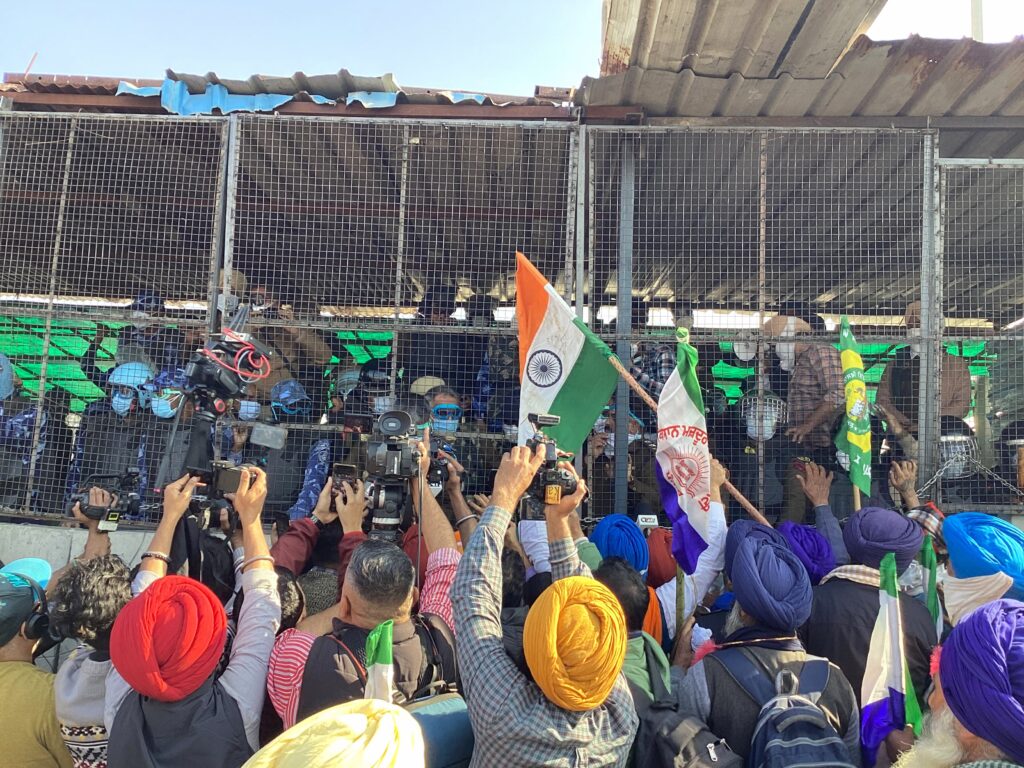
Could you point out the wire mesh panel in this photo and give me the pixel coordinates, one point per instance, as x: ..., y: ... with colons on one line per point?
x: 108, y: 238
x: 379, y: 259
x: 752, y: 239
x: 982, y: 390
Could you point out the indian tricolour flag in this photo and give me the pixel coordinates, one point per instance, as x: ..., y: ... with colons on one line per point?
x: 380, y: 669
x: 889, y: 702
x: 684, y: 464
x: 563, y: 366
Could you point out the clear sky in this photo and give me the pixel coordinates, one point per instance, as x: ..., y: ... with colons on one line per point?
x: 500, y: 46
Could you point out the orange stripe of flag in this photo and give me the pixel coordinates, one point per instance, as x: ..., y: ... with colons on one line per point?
x: 531, y: 305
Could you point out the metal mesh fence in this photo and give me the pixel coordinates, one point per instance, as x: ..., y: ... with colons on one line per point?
x: 378, y: 261
x: 108, y: 239
x: 750, y: 238
x: 982, y: 380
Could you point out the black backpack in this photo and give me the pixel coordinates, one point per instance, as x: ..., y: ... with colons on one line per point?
x: 668, y: 738
x: 791, y: 729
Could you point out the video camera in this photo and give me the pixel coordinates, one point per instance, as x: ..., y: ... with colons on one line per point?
x: 124, y: 489
x: 551, y: 482
x: 392, y: 459
x: 222, y: 369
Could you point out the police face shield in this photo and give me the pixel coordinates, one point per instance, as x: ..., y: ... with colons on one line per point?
x: 762, y: 415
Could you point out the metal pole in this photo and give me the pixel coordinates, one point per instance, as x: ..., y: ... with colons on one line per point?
x: 223, y: 246
x: 978, y: 20
x: 403, y: 186
x: 624, y: 323
x: 54, y: 261
x: 578, y: 189
x: 931, y: 314
x: 762, y: 287
x: 591, y: 251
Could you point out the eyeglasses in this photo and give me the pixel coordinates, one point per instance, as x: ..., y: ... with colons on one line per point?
x: 123, y: 390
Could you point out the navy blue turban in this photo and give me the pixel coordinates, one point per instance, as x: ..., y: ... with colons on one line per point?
x: 747, y: 529
x: 771, y: 584
x: 619, y: 536
x: 873, y: 532
x: 811, y: 547
x: 982, y: 674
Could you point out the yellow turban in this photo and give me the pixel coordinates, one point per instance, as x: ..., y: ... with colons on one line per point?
x: 365, y: 733
x: 575, y: 642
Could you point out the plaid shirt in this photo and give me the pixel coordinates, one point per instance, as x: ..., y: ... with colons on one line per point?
x: 817, y: 378
x: 514, y: 724
x: 653, y: 366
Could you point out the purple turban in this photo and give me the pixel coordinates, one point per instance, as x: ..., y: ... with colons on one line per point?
x: 982, y: 674
x: 771, y: 584
x: 811, y: 548
x: 747, y: 529
x: 873, y: 532
x: 619, y: 536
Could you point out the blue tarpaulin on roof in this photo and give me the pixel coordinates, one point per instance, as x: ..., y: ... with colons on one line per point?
x: 176, y: 99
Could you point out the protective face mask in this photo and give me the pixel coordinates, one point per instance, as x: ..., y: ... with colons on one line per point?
x: 163, y: 407
x: 609, y: 447
x: 248, y: 410
x: 763, y: 428
x: 786, y: 352
x: 444, y: 425
x: 383, y: 404
x: 122, y: 404
x: 964, y: 595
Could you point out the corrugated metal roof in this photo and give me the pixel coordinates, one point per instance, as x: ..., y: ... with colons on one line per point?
x: 716, y: 38
x: 906, y: 78
x: 83, y: 84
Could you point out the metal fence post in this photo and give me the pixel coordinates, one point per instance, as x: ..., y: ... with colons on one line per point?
x: 577, y: 230
x: 222, y: 247
x: 58, y: 233
x: 931, y: 316
x: 624, y: 322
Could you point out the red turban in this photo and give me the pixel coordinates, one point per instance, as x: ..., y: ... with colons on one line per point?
x: 662, y: 566
x: 167, y: 641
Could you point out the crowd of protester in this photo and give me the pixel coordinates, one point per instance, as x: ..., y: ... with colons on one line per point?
x: 515, y: 637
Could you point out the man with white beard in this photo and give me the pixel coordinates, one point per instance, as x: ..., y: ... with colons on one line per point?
x: 977, y: 717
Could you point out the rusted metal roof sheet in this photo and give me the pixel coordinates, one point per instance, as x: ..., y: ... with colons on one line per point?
x: 905, y: 78
x: 14, y: 82
x: 716, y: 38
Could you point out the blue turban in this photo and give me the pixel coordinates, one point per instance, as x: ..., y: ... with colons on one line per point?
x: 744, y: 529
x: 618, y: 536
x: 980, y: 545
x: 874, y: 532
x: 771, y: 584
x: 982, y: 674
x: 811, y: 548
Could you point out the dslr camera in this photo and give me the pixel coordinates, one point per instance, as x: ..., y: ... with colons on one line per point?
x: 551, y: 482
x: 392, y: 459
x: 124, y: 489
x: 222, y: 478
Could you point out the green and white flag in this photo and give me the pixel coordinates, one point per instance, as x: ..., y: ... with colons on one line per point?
x: 930, y: 565
x: 380, y: 668
x: 854, y: 439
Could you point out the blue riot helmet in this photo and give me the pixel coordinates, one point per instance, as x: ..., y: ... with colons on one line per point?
x: 289, y: 401
x: 127, y: 384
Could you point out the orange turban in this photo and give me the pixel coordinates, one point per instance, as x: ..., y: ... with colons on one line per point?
x: 662, y: 565
x: 575, y: 642
x: 652, y: 619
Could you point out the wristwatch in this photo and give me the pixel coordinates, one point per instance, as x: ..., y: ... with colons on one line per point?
x: 320, y: 525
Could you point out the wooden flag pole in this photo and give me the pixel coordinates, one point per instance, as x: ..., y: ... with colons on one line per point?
x: 653, y: 405
x: 856, y: 499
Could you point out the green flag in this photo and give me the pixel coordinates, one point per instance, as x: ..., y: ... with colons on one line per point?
x: 930, y: 565
x: 854, y: 439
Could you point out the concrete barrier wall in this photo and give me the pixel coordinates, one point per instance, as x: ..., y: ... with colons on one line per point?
x: 58, y: 546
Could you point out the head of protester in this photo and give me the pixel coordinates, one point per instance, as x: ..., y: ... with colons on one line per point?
x: 871, y: 533
x: 745, y: 529
x: 661, y: 566
x: 88, y: 598
x: 979, y: 718
x: 984, y: 552
x: 771, y: 585
x: 810, y: 547
x: 368, y: 733
x: 619, y: 536
x: 127, y: 385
